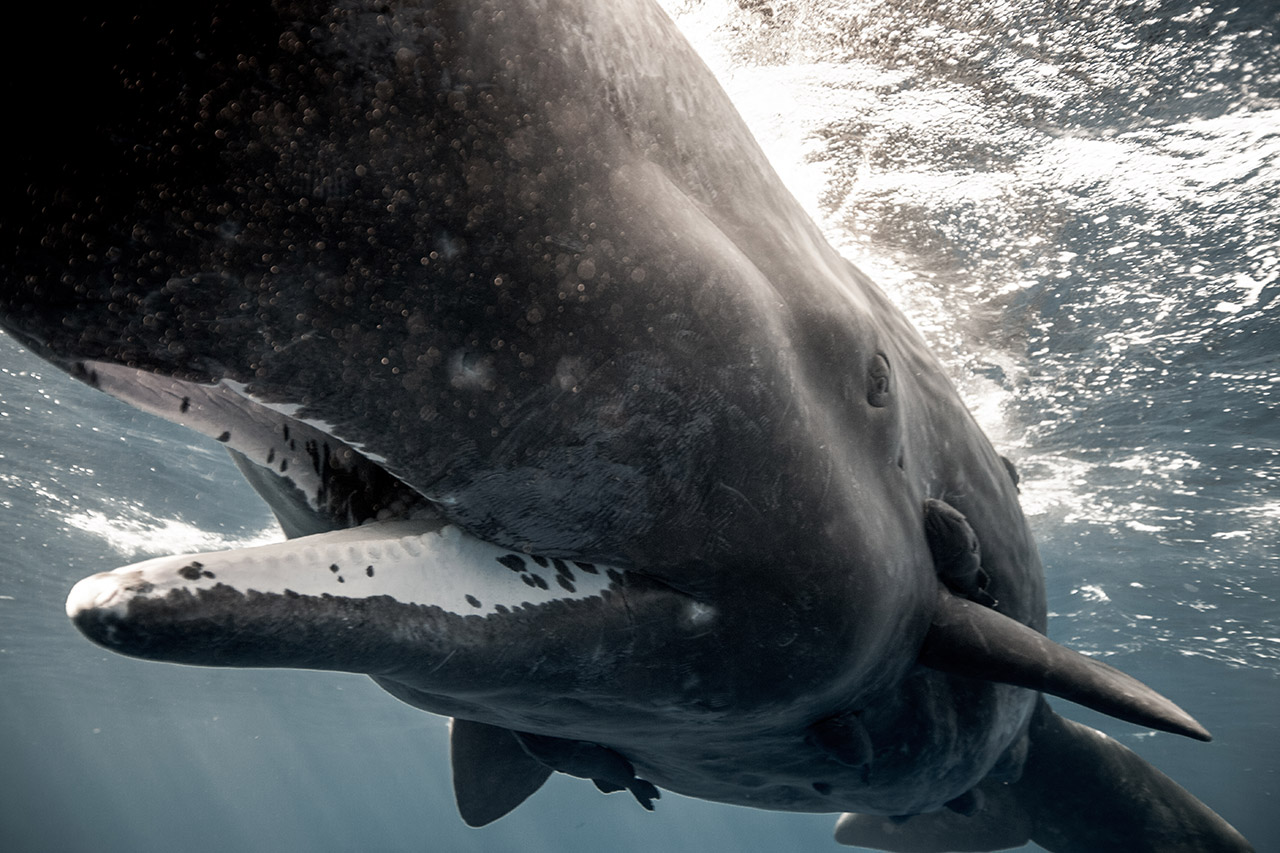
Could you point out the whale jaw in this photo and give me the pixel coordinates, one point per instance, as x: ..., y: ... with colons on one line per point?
x: 397, y: 597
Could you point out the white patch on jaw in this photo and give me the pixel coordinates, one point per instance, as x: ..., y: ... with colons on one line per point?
x: 413, y: 562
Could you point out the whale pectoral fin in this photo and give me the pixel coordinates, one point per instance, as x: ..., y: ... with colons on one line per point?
x: 978, y: 642
x: 492, y: 773
x: 1080, y: 792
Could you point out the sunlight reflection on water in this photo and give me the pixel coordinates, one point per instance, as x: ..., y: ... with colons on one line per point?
x: 1078, y: 209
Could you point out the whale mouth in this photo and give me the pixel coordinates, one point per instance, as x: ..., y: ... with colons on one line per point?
x: 372, y: 573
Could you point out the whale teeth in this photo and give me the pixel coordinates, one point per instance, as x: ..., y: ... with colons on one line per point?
x: 977, y: 642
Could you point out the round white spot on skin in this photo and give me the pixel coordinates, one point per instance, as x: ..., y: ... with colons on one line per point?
x: 570, y: 371
x: 470, y: 372
x: 699, y: 615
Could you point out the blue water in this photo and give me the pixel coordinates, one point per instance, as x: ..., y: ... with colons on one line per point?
x: 1079, y: 207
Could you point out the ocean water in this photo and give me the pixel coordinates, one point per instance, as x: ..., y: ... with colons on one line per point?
x: 1077, y: 203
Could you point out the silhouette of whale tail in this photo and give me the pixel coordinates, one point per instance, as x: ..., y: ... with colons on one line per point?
x: 1080, y: 792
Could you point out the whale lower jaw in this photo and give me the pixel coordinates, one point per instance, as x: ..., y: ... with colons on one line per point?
x: 379, y: 598
x: 412, y: 562
x: 373, y: 579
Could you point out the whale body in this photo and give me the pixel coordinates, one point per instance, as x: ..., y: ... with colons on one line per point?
x: 580, y: 432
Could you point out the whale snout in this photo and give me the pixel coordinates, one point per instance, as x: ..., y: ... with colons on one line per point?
x: 106, y: 592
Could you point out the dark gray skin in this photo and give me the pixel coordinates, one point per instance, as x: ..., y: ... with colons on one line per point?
x: 536, y: 263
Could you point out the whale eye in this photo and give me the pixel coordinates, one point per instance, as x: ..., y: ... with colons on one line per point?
x: 878, y: 384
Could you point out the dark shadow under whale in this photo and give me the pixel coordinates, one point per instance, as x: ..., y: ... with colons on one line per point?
x: 582, y: 433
